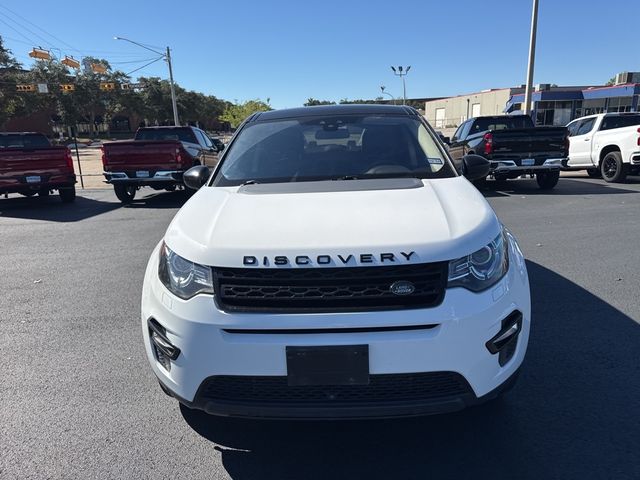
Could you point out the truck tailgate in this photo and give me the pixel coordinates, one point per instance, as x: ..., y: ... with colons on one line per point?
x: 539, y: 143
x: 37, y: 161
x: 142, y: 155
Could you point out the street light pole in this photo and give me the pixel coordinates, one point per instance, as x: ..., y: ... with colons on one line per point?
x: 167, y: 57
x: 532, y: 56
x: 400, y: 73
x: 393, y: 99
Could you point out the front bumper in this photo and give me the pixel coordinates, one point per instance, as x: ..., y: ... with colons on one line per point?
x: 213, y: 346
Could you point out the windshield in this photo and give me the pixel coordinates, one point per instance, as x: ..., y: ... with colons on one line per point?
x: 23, y: 141
x: 342, y: 147
x: 181, y: 134
x: 482, y: 124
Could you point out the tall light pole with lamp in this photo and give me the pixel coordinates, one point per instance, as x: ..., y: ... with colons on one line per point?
x: 167, y: 56
x: 400, y: 72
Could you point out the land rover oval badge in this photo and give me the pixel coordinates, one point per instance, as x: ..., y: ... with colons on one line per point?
x: 402, y: 287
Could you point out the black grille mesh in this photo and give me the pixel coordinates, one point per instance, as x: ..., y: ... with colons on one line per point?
x: 326, y: 289
x: 382, y: 388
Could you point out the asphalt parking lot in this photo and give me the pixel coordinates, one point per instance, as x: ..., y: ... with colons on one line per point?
x: 78, y: 399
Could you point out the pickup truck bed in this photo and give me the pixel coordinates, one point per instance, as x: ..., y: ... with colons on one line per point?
x: 29, y: 165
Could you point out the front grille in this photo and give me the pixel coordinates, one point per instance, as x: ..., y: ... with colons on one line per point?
x: 386, y: 388
x: 328, y: 289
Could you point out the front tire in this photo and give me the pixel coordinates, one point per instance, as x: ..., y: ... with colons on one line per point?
x: 547, y: 180
x: 612, y: 168
x: 594, y: 173
x: 68, y: 194
x: 125, y: 193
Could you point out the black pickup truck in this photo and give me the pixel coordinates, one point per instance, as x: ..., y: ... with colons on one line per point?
x: 514, y: 147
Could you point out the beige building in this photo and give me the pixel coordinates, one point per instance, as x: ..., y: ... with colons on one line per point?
x: 448, y: 113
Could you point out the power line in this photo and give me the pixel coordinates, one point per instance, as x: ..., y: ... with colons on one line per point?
x: 132, y: 71
x: 39, y: 28
x: 18, y: 32
x: 46, y: 42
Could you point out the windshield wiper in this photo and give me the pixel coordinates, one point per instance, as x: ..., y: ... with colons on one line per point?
x: 347, y: 177
x: 249, y: 182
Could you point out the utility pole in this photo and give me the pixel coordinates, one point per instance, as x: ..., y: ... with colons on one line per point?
x: 400, y: 73
x: 532, y: 56
x: 176, y: 122
x: 167, y: 57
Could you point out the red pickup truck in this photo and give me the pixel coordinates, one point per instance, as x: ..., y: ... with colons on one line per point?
x: 156, y: 157
x: 30, y: 165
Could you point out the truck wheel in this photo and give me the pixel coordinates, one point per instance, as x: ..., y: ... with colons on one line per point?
x: 594, y: 173
x: 547, y: 180
x: 68, y: 194
x: 43, y: 193
x: 125, y: 193
x: 612, y: 168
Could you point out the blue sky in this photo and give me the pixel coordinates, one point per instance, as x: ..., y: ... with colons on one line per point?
x: 290, y: 50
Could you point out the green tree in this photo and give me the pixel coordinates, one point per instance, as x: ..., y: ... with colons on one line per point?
x: 235, y: 113
x: 11, y: 102
x: 313, y: 102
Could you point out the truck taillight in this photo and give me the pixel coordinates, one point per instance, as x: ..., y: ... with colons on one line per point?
x: 104, y: 157
x: 639, y: 137
x: 566, y: 144
x: 178, y: 156
x: 488, y: 143
x: 68, y: 159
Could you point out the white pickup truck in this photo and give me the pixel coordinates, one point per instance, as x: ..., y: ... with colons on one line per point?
x: 607, y: 145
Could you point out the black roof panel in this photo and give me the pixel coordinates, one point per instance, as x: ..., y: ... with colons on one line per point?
x: 348, y: 109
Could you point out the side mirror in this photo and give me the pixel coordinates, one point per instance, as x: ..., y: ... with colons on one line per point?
x: 475, y: 167
x: 196, y: 176
x: 445, y: 140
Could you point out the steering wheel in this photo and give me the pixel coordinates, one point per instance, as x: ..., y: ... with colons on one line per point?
x: 383, y: 169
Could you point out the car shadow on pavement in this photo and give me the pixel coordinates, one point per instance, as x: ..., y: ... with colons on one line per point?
x: 573, y: 413
x: 566, y: 186
x: 52, y: 209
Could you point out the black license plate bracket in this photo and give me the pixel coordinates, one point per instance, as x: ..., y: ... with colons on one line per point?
x: 328, y: 365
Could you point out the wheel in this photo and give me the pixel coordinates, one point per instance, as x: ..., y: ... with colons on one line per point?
x: 612, y: 168
x: 125, y: 193
x: 501, y: 181
x: 68, y: 194
x: 480, y: 183
x: 547, y: 180
x: 594, y: 173
x: 43, y: 193
x: 28, y: 193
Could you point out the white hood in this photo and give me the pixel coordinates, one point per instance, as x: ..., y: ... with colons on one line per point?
x: 443, y: 219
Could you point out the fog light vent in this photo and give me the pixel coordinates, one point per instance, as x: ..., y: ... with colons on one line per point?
x: 504, y: 342
x: 164, y: 350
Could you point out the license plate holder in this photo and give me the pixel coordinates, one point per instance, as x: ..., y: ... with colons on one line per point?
x: 142, y: 173
x: 328, y: 365
x: 527, y: 162
x: 33, y: 179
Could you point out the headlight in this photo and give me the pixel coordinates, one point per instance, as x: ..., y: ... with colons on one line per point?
x: 182, y: 277
x: 481, y: 269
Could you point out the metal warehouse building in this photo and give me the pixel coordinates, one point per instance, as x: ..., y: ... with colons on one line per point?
x: 551, y: 104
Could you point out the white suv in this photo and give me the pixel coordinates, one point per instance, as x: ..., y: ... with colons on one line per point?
x: 335, y: 264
